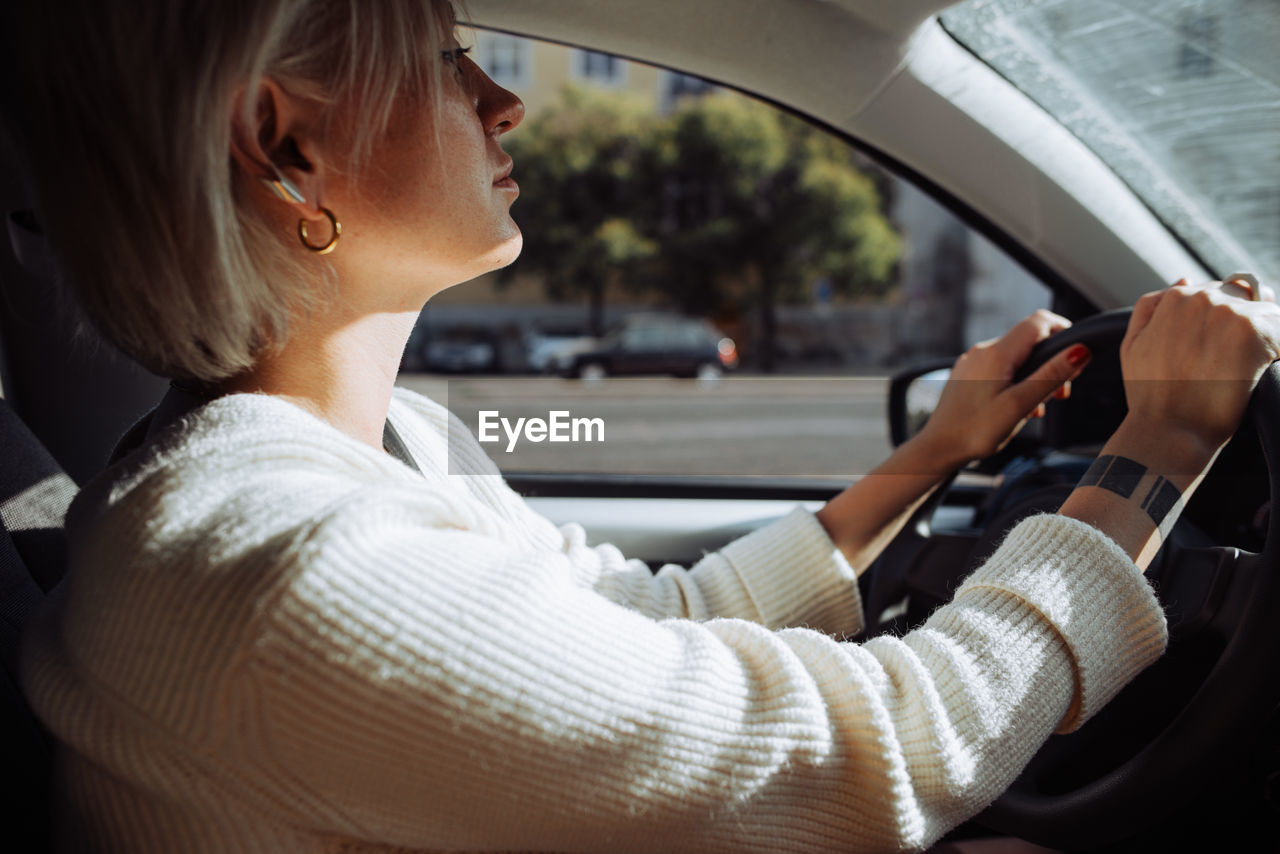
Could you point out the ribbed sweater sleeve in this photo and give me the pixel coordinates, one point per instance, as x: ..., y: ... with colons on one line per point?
x: 787, y: 573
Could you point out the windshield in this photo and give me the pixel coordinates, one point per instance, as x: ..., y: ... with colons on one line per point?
x: 1180, y: 97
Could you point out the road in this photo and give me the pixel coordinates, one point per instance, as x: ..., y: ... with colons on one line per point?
x: 778, y: 426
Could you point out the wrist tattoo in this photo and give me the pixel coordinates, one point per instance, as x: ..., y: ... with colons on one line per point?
x: 1122, y: 475
x: 1117, y: 474
x: 1162, y: 498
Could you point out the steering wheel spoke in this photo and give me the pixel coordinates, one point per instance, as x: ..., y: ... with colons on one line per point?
x: 1193, y: 584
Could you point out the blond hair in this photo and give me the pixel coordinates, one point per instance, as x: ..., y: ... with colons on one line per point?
x: 127, y: 125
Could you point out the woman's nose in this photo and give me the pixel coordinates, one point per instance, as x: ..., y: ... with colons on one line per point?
x: 499, y: 109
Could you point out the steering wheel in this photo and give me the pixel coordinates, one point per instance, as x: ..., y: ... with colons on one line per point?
x: 1197, y: 714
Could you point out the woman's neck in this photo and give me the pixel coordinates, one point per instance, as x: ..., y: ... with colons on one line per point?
x: 341, y: 369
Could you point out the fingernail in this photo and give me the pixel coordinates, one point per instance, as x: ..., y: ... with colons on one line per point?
x: 1078, y: 355
x: 1180, y: 282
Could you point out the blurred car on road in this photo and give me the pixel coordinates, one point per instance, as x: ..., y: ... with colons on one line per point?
x: 653, y: 344
x: 463, y: 352
x: 547, y: 352
x: 457, y: 350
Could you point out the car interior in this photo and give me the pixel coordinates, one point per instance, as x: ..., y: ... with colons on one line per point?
x: 1189, y: 752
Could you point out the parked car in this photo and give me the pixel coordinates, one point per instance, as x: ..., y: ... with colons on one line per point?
x: 1110, y: 148
x: 653, y: 344
x: 457, y: 350
x: 462, y: 351
x: 548, y: 352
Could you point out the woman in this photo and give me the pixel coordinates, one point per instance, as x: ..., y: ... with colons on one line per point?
x: 286, y: 627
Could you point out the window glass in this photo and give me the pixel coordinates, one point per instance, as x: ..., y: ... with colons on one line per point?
x: 723, y: 287
x: 1180, y: 97
x: 688, y: 336
x: 645, y: 338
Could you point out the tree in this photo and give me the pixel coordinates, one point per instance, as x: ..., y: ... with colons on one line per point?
x: 725, y: 204
x: 576, y: 164
x: 758, y: 205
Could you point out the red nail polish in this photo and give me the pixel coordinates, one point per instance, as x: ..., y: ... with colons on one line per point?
x: 1078, y: 355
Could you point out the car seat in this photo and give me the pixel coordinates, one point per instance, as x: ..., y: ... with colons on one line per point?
x: 34, y: 495
x: 74, y: 403
x: 63, y: 403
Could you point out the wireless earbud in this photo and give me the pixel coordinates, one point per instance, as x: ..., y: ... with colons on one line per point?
x: 283, y: 188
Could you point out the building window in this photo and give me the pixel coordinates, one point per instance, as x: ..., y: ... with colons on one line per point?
x: 675, y: 87
x: 507, y: 60
x: 602, y: 68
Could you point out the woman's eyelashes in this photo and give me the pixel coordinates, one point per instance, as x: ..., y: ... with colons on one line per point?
x: 453, y: 58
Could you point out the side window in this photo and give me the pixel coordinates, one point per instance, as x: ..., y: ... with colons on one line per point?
x: 688, y: 337
x: 645, y: 338
x: 726, y: 288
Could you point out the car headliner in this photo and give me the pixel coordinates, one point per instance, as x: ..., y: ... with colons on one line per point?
x: 888, y: 75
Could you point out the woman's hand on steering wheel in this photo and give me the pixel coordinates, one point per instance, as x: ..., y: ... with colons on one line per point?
x: 1192, y: 356
x: 981, y: 407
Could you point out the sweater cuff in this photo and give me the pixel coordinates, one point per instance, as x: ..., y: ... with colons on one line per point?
x: 1091, y: 593
x: 795, y: 576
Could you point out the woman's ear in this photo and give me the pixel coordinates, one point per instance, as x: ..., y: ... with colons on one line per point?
x: 273, y: 142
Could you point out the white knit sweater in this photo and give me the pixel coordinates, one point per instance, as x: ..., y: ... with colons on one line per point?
x: 274, y: 638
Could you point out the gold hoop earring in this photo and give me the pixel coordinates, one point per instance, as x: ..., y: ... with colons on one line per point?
x: 326, y: 248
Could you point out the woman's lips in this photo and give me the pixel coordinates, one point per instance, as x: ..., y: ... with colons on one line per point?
x: 504, y: 175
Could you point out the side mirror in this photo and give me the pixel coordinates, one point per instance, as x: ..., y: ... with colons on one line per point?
x: 913, y: 395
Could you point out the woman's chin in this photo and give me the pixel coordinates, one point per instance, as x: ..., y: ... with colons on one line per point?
x: 506, y: 252
x: 501, y: 255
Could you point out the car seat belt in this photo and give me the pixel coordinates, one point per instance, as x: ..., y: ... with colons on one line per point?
x: 395, y: 446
